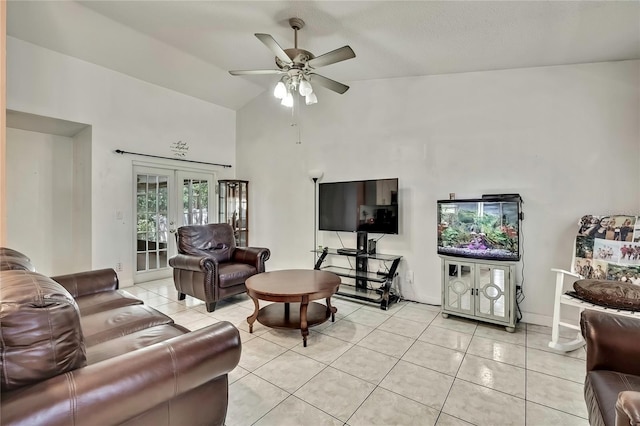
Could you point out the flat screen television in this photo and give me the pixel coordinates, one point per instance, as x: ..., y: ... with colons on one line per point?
x: 364, y: 205
x: 484, y: 228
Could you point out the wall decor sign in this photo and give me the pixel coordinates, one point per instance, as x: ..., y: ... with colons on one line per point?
x: 179, y: 149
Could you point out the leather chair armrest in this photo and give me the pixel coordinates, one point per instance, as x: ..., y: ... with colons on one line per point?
x: 89, y: 282
x: 193, y: 263
x: 121, y: 388
x: 255, y: 256
x: 628, y: 408
x: 612, y: 342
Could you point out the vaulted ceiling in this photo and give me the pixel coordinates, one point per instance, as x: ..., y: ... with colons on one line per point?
x: 189, y: 46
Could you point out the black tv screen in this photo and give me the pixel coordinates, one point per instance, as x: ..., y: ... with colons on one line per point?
x: 487, y: 228
x: 364, y: 205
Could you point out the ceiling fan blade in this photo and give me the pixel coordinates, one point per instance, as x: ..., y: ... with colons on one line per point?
x: 328, y: 83
x: 342, y: 54
x: 256, y: 72
x: 274, y: 47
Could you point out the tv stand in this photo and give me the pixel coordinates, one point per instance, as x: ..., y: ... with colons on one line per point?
x: 347, y: 251
x: 363, y: 289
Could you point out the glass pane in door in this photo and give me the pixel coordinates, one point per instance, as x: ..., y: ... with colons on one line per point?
x: 491, y: 294
x: 152, y: 217
x: 195, y: 201
x: 233, y: 208
x: 459, y: 288
x: 242, y: 224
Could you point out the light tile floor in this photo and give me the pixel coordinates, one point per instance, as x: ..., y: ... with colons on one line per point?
x: 404, y: 366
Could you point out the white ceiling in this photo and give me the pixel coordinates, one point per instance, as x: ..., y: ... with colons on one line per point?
x: 189, y: 46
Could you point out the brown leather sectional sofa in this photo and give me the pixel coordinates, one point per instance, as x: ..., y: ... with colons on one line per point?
x: 75, y: 349
x: 612, y: 385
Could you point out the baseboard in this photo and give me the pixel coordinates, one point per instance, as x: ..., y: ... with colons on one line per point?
x: 528, y: 317
x: 125, y: 283
x: 531, y: 318
x: 428, y: 301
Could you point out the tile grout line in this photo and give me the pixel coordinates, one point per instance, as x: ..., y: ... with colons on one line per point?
x: 549, y: 375
x: 292, y: 394
x: 454, y: 381
x: 474, y: 334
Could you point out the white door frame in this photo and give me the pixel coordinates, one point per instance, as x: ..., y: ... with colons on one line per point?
x: 175, y: 213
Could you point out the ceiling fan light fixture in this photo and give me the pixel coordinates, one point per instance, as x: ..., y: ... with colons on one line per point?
x: 280, y: 91
x: 305, y: 88
x: 287, y: 100
x: 311, y: 99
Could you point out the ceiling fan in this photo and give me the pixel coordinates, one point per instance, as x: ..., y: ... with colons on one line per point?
x: 296, y: 67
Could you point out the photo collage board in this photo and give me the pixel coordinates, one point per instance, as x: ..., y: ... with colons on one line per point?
x: 608, y: 248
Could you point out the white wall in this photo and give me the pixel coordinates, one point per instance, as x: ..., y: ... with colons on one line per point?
x: 81, y: 211
x: 566, y: 138
x: 39, y: 199
x: 124, y: 113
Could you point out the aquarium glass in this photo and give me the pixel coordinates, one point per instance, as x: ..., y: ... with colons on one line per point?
x: 481, y: 228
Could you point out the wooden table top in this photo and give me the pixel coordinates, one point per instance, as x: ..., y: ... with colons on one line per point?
x: 293, y: 282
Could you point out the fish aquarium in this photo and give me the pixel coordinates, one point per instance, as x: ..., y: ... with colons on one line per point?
x: 483, y: 228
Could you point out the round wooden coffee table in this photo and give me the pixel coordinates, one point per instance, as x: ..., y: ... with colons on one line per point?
x: 295, y: 287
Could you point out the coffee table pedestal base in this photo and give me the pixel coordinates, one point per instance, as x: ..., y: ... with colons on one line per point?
x: 291, y: 316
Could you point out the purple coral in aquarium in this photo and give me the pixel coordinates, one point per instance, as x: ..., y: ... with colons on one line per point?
x: 478, y: 243
x: 475, y: 245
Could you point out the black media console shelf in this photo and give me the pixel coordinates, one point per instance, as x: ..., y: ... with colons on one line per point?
x: 362, y: 290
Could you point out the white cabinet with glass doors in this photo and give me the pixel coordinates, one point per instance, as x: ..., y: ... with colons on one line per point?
x: 479, y: 289
x: 233, y: 208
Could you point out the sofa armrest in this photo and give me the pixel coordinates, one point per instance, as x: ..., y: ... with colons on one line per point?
x: 628, y: 408
x: 255, y: 256
x: 89, y: 282
x: 194, y: 263
x: 121, y: 388
x: 612, y: 342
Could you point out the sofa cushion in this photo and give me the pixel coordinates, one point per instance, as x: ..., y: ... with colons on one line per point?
x: 108, y: 325
x: 5, y: 251
x: 11, y: 259
x: 40, y: 330
x: 214, y: 240
x: 105, y: 300
x: 612, y: 294
x: 234, y: 273
x: 11, y: 263
x: 221, y: 252
x: 134, y: 341
x: 601, y: 388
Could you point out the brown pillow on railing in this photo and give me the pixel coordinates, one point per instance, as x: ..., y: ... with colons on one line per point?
x: 612, y: 294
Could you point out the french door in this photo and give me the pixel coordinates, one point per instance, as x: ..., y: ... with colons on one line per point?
x: 165, y: 199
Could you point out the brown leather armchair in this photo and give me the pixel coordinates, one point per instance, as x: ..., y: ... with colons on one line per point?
x: 612, y: 385
x: 210, y: 267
